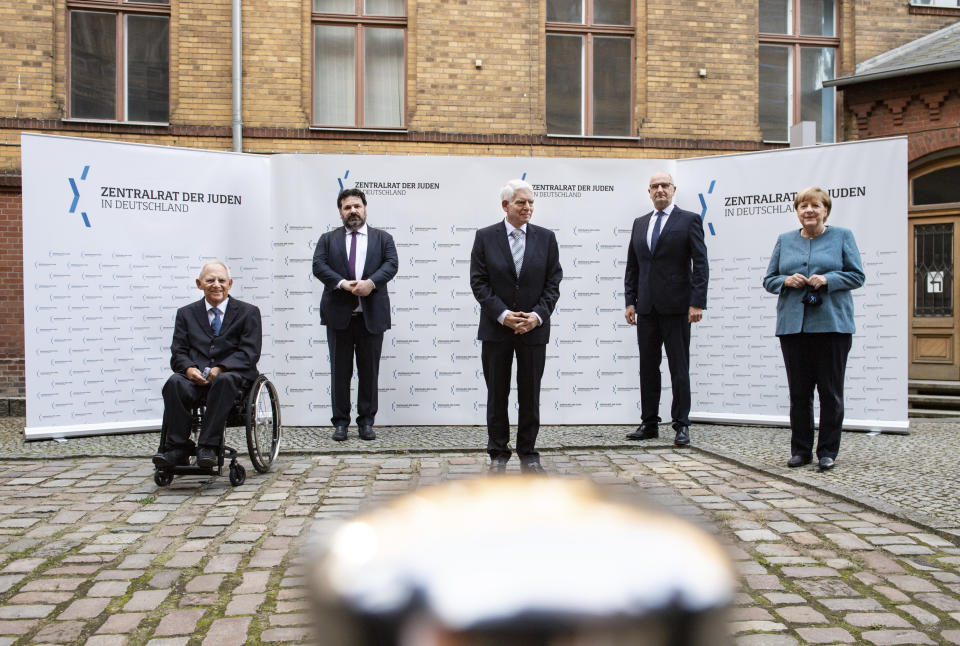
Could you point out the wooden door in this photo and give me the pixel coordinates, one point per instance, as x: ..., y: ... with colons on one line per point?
x: 934, y: 341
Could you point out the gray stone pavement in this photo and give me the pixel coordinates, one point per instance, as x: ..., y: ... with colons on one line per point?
x: 92, y: 552
x: 910, y: 476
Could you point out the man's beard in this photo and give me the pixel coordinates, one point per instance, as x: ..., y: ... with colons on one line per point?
x: 354, y: 222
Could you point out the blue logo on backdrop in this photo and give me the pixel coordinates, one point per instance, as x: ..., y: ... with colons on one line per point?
x: 703, y: 206
x: 340, y: 181
x: 76, y: 195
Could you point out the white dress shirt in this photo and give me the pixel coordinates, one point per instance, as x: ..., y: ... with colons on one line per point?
x: 663, y: 222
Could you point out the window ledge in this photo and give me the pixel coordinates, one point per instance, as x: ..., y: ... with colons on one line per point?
x: 594, y: 137
x: 399, y: 131
x: 111, y: 122
x: 926, y: 10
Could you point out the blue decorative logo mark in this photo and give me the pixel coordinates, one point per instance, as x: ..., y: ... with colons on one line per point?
x: 340, y: 181
x: 76, y: 195
x: 703, y: 207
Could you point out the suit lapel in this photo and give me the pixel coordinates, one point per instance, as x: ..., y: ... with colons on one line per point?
x: 644, y: 225
x: 373, y: 240
x: 500, y: 236
x: 200, y: 313
x: 230, y: 316
x: 671, y: 221
x: 338, y: 251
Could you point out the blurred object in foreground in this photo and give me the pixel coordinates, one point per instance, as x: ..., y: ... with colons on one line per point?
x: 515, y: 561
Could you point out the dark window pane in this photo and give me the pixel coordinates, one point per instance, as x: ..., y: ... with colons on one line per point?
x: 611, y: 12
x: 933, y: 270
x: 93, y: 65
x: 383, y: 77
x: 148, y: 1
x: 775, y: 16
x: 148, y: 68
x: 816, y: 17
x: 565, y: 11
x: 939, y: 187
x: 611, y: 86
x: 816, y: 101
x: 774, y: 92
x: 564, y: 84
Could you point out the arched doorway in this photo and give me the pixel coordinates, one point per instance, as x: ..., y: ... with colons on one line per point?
x: 934, y: 230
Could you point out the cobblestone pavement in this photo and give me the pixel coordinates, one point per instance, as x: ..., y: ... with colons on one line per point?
x: 92, y: 552
x: 910, y: 476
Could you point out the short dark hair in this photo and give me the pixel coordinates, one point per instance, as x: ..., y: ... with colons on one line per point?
x: 350, y: 192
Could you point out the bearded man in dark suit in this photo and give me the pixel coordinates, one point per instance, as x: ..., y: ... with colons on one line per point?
x: 354, y: 262
x: 665, y: 285
x: 515, y: 275
x: 215, y: 349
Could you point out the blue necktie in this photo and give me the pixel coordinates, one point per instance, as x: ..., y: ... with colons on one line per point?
x: 656, y: 231
x: 216, y: 322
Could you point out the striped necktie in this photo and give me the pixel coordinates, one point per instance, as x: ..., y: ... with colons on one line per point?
x: 516, y: 248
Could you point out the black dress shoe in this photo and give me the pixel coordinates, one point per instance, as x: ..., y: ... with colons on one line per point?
x: 498, y: 465
x: 683, y: 436
x: 206, y: 457
x: 645, y: 432
x: 340, y: 433
x: 827, y: 463
x: 366, y: 432
x: 171, y: 458
x: 534, y: 468
x: 798, y: 461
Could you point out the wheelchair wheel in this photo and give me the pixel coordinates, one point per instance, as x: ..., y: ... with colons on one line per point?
x: 263, y: 424
x: 238, y: 475
x: 162, y: 478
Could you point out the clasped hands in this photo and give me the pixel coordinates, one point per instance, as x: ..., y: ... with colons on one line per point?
x: 196, y: 376
x: 796, y: 281
x: 521, y: 322
x: 358, y: 287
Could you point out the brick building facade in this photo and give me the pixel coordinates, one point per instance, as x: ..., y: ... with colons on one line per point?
x: 476, y: 78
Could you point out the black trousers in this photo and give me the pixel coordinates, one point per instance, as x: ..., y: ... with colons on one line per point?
x: 344, y: 345
x: 654, y: 333
x: 815, y: 360
x: 180, y: 395
x: 497, y: 358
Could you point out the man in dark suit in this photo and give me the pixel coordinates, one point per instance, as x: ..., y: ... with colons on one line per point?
x: 515, y: 275
x: 216, y: 346
x: 666, y: 290
x: 354, y: 262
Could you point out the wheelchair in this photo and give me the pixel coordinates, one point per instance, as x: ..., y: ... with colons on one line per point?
x: 258, y: 409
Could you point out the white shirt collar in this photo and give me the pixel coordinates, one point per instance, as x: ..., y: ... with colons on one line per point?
x: 362, y: 230
x: 666, y: 211
x: 222, y: 306
x: 510, y: 228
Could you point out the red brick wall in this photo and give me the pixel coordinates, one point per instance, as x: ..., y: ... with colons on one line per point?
x: 11, y: 294
x: 925, y: 107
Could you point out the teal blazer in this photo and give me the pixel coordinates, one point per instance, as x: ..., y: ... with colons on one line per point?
x: 834, y: 255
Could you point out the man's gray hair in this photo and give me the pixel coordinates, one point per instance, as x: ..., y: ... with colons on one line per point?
x: 203, y: 269
x: 510, y: 189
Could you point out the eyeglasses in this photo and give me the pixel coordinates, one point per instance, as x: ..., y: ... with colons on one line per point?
x: 654, y: 187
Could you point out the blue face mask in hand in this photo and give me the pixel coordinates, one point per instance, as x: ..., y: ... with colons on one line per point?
x: 812, y: 297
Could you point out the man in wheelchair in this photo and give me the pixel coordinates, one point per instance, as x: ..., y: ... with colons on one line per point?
x: 215, y: 349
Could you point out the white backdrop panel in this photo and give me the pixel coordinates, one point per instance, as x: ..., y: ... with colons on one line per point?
x: 430, y: 369
x: 736, y: 367
x: 113, y: 236
x: 99, y: 300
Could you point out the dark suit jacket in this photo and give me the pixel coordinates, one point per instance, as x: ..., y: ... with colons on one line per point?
x: 674, y: 276
x: 235, y: 349
x: 331, y: 265
x: 496, y: 286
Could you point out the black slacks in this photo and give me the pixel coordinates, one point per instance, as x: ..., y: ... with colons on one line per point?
x: 344, y: 345
x: 654, y: 333
x: 180, y: 395
x: 497, y: 358
x: 815, y: 360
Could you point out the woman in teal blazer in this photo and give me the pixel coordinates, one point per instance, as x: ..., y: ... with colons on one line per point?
x: 813, y: 269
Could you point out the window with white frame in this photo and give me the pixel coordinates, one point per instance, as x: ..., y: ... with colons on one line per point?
x: 119, y: 60
x: 798, y: 51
